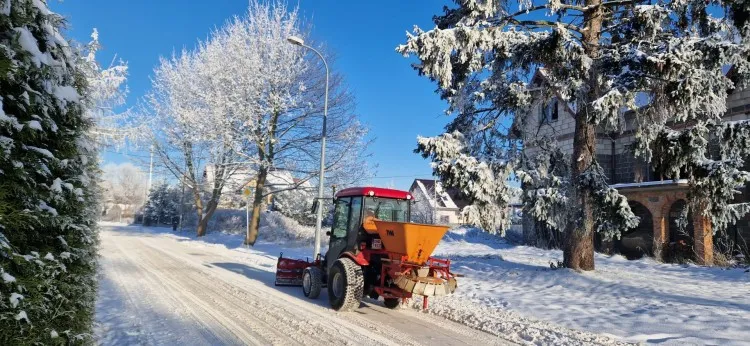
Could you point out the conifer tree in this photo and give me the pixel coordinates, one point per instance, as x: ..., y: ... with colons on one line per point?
x: 599, y: 57
x: 162, y: 205
x: 48, y: 191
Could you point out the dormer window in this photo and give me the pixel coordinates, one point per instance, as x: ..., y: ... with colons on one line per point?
x: 549, y: 112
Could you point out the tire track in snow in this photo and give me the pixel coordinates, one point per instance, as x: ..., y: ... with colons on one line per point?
x: 198, y: 306
x: 218, y: 304
x: 301, y: 317
x: 400, y: 325
x: 223, y: 306
x: 150, y: 314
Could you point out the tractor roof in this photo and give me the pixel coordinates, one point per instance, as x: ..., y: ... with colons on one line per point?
x: 373, y: 191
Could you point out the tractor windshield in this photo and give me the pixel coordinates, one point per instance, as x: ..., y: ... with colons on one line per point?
x: 387, y: 209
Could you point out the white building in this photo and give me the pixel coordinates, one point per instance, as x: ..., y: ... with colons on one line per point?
x: 276, y: 181
x: 435, y: 205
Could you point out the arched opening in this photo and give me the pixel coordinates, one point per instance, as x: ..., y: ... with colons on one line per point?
x: 681, y: 237
x: 638, y: 241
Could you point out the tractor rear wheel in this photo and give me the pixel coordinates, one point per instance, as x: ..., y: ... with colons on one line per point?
x: 391, y: 303
x: 312, y: 281
x: 346, y: 285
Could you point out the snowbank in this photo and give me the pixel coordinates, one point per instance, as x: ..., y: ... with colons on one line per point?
x: 274, y: 226
x: 638, y: 301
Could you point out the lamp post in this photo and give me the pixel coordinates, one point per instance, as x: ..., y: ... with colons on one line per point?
x: 319, y: 218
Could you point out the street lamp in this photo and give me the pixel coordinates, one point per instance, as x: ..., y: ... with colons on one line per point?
x: 319, y: 218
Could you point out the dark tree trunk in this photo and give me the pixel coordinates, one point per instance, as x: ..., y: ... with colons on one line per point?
x: 252, y: 232
x: 203, y: 221
x: 202, y: 226
x: 578, y: 252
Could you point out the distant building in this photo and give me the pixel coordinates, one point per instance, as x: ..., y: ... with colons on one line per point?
x: 435, y: 205
x: 658, y: 202
x: 276, y: 181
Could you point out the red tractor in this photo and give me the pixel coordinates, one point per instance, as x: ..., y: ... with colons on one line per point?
x: 373, y: 250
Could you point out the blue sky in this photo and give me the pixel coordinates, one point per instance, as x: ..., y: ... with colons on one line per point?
x: 395, y: 103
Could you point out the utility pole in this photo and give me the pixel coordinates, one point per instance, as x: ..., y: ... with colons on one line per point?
x: 151, y: 168
x: 182, y: 201
x: 319, y: 218
x: 434, y: 209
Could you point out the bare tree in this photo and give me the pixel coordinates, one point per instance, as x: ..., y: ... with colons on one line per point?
x: 283, y: 124
x: 422, y: 212
x: 124, y: 184
x: 189, y: 133
x: 106, y: 92
x: 247, y: 99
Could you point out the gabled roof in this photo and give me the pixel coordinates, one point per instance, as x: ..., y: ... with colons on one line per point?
x: 450, y: 198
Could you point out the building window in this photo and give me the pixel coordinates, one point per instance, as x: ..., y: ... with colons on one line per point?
x: 549, y: 112
x: 445, y: 219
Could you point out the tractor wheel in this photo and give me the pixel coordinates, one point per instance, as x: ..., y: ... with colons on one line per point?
x: 392, y: 303
x: 312, y: 281
x: 345, y: 285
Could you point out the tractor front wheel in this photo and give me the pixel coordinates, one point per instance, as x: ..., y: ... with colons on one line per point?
x: 312, y: 281
x: 345, y: 285
x: 392, y: 303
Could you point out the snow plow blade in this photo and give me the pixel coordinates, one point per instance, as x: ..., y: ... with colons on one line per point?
x: 289, y: 271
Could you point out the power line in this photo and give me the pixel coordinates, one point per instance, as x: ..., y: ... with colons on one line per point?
x: 399, y: 176
x: 127, y: 154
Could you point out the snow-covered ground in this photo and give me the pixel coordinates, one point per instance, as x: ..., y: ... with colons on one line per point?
x: 637, y: 301
x: 511, y: 292
x: 160, y: 289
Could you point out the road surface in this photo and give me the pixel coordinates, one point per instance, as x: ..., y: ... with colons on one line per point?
x: 160, y: 290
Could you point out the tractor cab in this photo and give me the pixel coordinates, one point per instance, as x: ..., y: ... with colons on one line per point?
x: 354, y: 212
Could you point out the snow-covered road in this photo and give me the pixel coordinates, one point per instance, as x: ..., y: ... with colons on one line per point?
x: 157, y: 290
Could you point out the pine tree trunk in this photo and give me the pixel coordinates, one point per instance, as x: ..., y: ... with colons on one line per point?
x: 578, y: 253
x: 252, y: 232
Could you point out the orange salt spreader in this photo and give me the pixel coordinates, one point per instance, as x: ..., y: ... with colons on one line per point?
x: 373, y: 250
x: 409, y: 246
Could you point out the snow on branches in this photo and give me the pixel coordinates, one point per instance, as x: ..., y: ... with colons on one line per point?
x: 484, y: 184
x: 663, y: 62
x: 614, y: 216
x: 715, y: 175
x: 640, y: 65
x: 546, y: 184
x: 248, y: 100
x: 48, y: 182
x: 106, y: 93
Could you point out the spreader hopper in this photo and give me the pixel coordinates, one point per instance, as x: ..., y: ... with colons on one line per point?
x: 413, y: 240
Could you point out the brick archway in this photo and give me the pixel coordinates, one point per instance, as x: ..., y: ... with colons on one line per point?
x: 638, y: 241
x: 658, y: 198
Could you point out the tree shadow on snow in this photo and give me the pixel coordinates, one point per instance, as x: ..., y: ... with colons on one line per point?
x: 268, y: 278
x: 477, y: 236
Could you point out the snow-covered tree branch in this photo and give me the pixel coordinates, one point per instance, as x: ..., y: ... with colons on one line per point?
x: 107, y: 91
x: 246, y: 98
x: 599, y: 58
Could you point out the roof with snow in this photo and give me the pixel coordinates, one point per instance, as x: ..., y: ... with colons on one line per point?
x: 450, y: 198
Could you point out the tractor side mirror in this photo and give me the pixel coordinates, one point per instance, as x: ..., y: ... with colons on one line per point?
x: 328, y: 233
x: 315, y: 207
